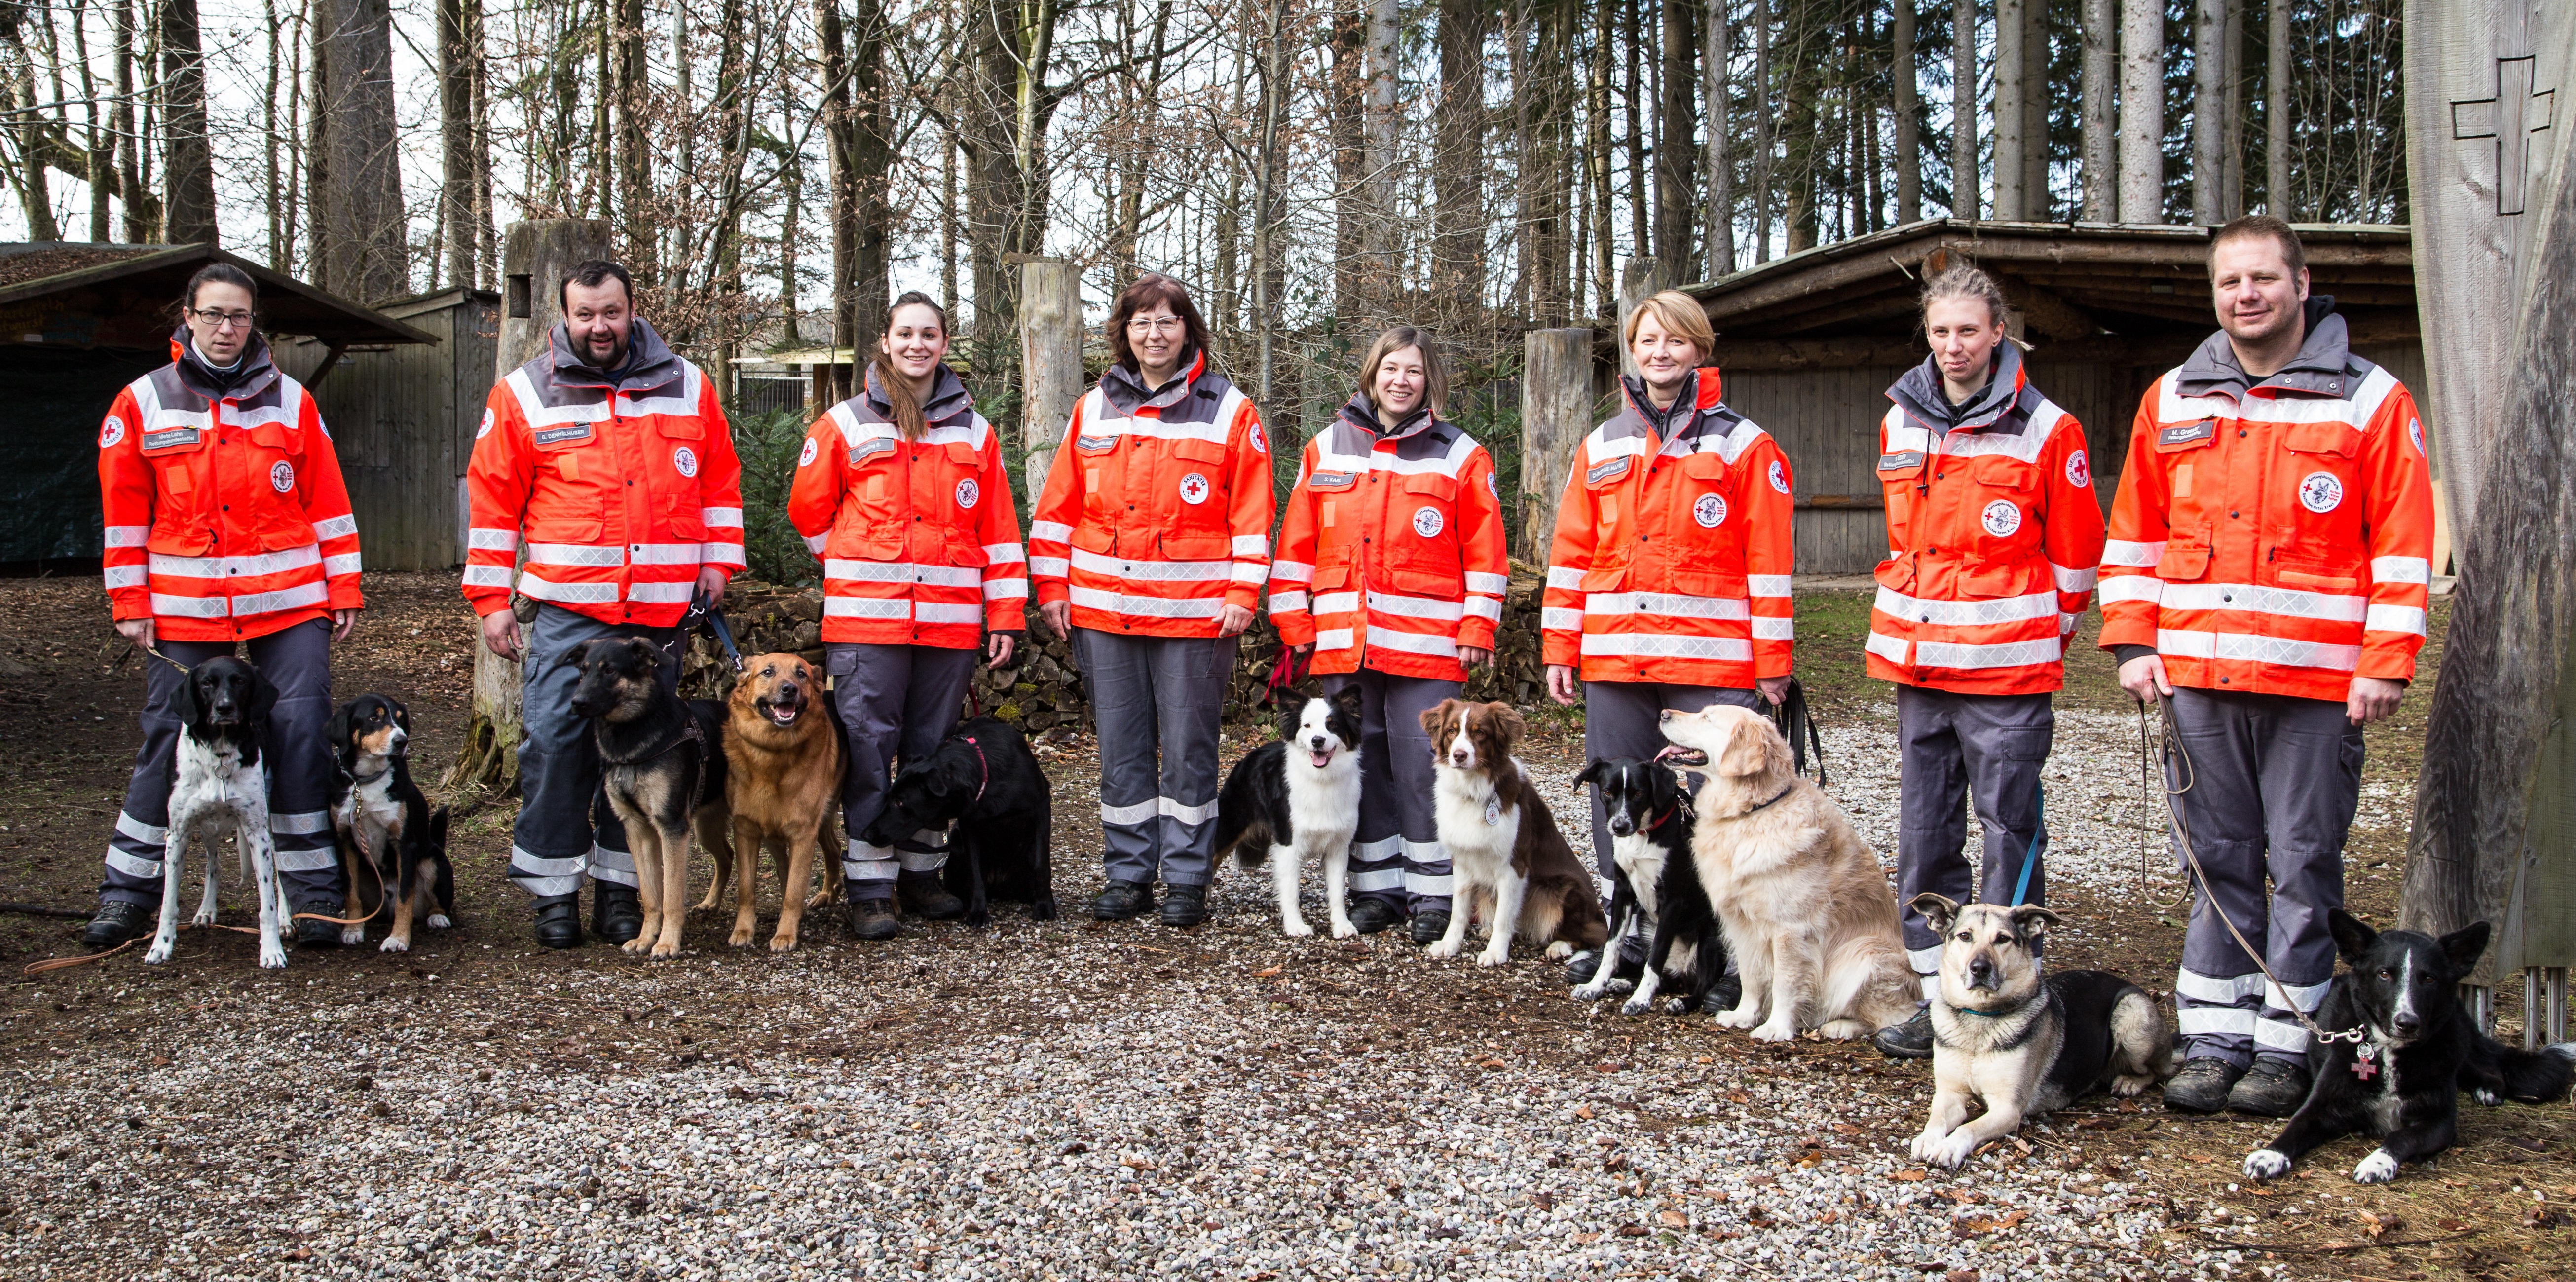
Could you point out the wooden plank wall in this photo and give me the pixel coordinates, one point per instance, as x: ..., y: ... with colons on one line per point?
x: 403, y: 419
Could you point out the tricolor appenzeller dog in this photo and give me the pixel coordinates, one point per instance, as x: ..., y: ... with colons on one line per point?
x: 1298, y: 798
x: 390, y: 840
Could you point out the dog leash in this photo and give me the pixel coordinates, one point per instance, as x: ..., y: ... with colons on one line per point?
x: 984, y: 771
x: 703, y: 611
x: 2175, y: 752
x: 2030, y: 854
x: 1792, y: 716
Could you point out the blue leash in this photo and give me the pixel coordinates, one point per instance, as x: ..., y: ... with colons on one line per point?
x: 2030, y: 857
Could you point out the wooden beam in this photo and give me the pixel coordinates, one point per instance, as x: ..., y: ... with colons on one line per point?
x: 2044, y: 312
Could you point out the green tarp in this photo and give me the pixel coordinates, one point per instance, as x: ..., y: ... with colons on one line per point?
x: 51, y: 401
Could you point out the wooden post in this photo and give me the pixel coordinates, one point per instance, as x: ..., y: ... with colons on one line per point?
x: 1050, y: 361
x: 1640, y: 279
x: 536, y: 259
x: 1556, y: 413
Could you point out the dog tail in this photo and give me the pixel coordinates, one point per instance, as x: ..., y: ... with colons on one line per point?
x: 2536, y: 1077
x: 1867, y: 978
x: 1241, y: 824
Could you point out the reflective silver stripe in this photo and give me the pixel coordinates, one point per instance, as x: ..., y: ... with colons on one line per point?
x: 128, y: 536
x: 487, y: 576
x: 1384, y: 848
x: 303, y: 822
x: 335, y: 527
x: 1151, y: 571
x: 293, y: 598
x: 1770, y: 629
x: 2354, y: 411
x: 1885, y: 647
x: 1767, y: 584
x: 942, y: 612
x: 2286, y: 602
x: 2140, y: 556
x: 1968, y: 613
x: 2280, y: 1035
x: 133, y: 865
x: 1486, y: 608
x: 2395, y: 618
x: 320, y: 859
x: 1002, y: 552
x: 1439, y: 647
x: 2305, y: 997
x: 2012, y: 654
x: 1559, y: 576
x: 137, y: 830
x: 1638, y: 645
x: 814, y: 543
x: 217, y: 567
x: 524, y: 863
x: 1557, y: 618
x: 2131, y: 587
x: 1251, y: 545
x: 121, y: 576
x: 2218, y: 990
x: 1054, y: 567
x: 1050, y: 531
x: 1192, y: 815
x: 1292, y: 572
x: 1414, y: 607
x: 2249, y: 648
x: 340, y: 563
x: 720, y: 516
x: 1336, y: 602
x: 1378, y: 879
x: 720, y: 554
x: 946, y: 576
x: 1495, y: 584
x: 1135, y: 814
x: 666, y: 553
x: 490, y: 540
x: 2072, y: 580
x: 1333, y: 639
x: 1281, y: 602
x: 568, y: 593
x: 610, y: 864
x: 1251, y: 573
x: 576, y: 554
x: 1669, y: 604
x: 2207, y: 1021
x: 2385, y: 569
x: 662, y: 593
x: 1000, y: 589
x: 1418, y: 884
x: 865, y: 862
x: 860, y: 607
x: 2066, y: 623
x: 1155, y: 607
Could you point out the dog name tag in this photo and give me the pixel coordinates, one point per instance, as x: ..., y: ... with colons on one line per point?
x: 1493, y: 811
x: 2365, y: 1063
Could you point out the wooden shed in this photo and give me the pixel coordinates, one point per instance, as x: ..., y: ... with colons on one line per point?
x: 80, y: 321
x: 1809, y: 343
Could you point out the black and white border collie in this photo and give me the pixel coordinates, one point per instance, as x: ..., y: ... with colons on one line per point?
x: 1296, y: 798
x: 219, y: 784
x: 2419, y: 1049
x: 1655, y: 885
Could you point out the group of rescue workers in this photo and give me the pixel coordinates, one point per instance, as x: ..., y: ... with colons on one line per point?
x: 2266, y: 565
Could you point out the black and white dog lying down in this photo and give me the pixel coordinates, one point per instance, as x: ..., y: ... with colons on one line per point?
x: 219, y: 784
x: 1298, y: 798
x: 2418, y: 1049
x: 983, y: 778
x: 1655, y: 889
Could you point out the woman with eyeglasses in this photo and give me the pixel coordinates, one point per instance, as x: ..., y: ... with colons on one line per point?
x: 227, y: 525
x: 1148, y: 547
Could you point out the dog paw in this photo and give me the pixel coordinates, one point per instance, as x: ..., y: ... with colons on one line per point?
x: 394, y: 944
x: 663, y: 952
x: 203, y: 918
x: 739, y: 939
x: 2125, y: 1087
x: 352, y: 936
x: 1441, y: 948
x: 1739, y: 1017
x: 977, y: 920
x: 1590, y: 992
x: 1923, y: 1145
x: 782, y: 943
x: 272, y: 957
x: 1559, y: 951
x: 2265, y: 1164
x: 439, y: 921
x: 1043, y: 910
x: 1951, y: 1150
x: 1345, y: 930
x: 2486, y: 1097
x: 1841, y: 1030
x: 1635, y: 1006
x: 2378, y: 1168
x: 1298, y: 930
x: 637, y: 945
x: 1494, y: 957
x: 157, y: 954
x: 1775, y: 1031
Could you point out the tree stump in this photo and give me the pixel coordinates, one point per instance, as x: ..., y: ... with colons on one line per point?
x: 1556, y: 414
x: 1050, y: 362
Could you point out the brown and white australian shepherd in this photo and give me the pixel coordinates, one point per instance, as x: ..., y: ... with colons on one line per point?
x: 1806, y: 910
x: 1511, y: 866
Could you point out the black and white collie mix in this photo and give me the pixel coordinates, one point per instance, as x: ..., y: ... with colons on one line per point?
x: 219, y: 784
x: 1512, y: 866
x: 2401, y: 1081
x: 1654, y: 885
x: 384, y: 824
x: 1297, y: 799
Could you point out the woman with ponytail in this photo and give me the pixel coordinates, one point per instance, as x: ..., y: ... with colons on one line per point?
x: 902, y: 491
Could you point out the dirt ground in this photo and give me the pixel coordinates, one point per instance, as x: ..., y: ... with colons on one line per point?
x: 2492, y: 1207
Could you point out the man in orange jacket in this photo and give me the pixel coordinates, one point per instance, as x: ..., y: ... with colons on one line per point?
x: 610, y: 453
x: 2269, y: 558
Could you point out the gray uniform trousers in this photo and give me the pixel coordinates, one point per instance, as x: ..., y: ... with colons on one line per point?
x: 566, y: 827
x: 1148, y: 693
x: 1952, y: 748
x: 297, y: 661
x: 2274, y: 781
x: 896, y: 703
x: 1396, y: 855
x: 1625, y: 719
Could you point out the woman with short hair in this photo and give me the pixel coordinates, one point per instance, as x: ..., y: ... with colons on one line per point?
x: 903, y: 491
x: 1396, y: 530
x: 1148, y: 547
x: 227, y: 524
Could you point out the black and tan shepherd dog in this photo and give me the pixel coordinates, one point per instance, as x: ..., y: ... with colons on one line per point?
x: 984, y: 778
x: 382, y: 823
x: 663, y: 768
x: 2400, y: 1079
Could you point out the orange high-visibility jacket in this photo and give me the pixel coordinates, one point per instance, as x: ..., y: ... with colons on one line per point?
x: 1673, y: 551
x: 1400, y: 538
x: 226, y: 516
x: 625, y: 488
x: 1156, y: 513
x: 2276, y: 536
x: 919, y: 541
x: 1993, y: 533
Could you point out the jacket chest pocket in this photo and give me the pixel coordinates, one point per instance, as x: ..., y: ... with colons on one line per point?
x: 958, y: 484
x: 2004, y: 503
x: 1899, y: 471
x: 273, y: 453
x: 1424, y: 547
x: 1195, y: 493
x: 181, y: 481
x: 1607, y: 483
x: 875, y: 490
x: 2187, y: 454
x: 1707, y: 503
x: 576, y: 454
x: 682, y: 443
x: 2322, y: 511
x: 1331, y: 492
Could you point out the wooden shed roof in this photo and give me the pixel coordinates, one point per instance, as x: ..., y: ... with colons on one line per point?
x: 2082, y: 289
x: 118, y: 295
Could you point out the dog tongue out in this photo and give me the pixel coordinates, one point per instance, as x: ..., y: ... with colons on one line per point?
x: 1322, y: 759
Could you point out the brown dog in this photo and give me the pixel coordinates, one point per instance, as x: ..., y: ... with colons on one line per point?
x: 1511, y: 865
x: 784, y: 776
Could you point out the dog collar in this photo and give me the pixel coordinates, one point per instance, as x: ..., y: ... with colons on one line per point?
x: 1681, y: 807
x: 983, y: 769
x: 359, y: 778
x: 1989, y: 1014
x: 1775, y: 797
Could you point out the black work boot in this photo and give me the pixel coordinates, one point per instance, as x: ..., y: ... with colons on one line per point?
x: 559, y: 921
x: 1369, y: 916
x: 874, y: 919
x: 922, y: 893
x: 1909, y: 1040
x: 1580, y: 967
x: 616, y: 914
x: 2274, y: 1088
x: 2202, y: 1086
x: 1723, y: 995
x: 1429, y: 927
x: 312, y: 932
x: 118, y: 921
x: 1184, y: 906
x: 1123, y: 901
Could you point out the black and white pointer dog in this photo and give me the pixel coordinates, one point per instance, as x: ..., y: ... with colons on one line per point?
x: 2418, y: 1049
x: 384, y: 825
x: 984, y: 779
x: 219, y: 784
x: 1655, y: 886
x: 1295, y: 798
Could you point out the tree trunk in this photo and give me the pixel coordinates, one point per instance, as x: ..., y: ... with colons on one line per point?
x: 364, y: 256
x: 1905, y: 70
x: 1556, y: 413
x: 1801, y: 151
x: 2276, y: 114
x: 872, y: 138
x: 2101, y: 191
x: 1050, y: 361
x: 1269, y: 207
x: 840, y: 152
x: 1721, y: 166
x: 2012, y: 34
x: 456, y: 139
x: 1351, y: 219
x: 791, y: 176
x: 2142, y: 111
x: 1963, y: 108
x: 1605, y: 283
x: 2035, y: 83
x: 142, y: 211
x: 190, y: 163
x: 641, y: 215
x: 487, y: 233
x: 1765, y: 135
x: 1676, y: 148
x: 1458, y: 163
x: 1640, y: 221
x: 1383, y: 125
x: 2231, y: 189
x: 2208, y: 112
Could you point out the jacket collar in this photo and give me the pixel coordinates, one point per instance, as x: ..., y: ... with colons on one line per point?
x: 1127, y: 392
x: 948, y: 399
x: 2323, y: 366
x: 1922, y: 395
x: 1361, y: 413
x: 649, y: 364
x: 1684, y: 414
x: 253, y: 376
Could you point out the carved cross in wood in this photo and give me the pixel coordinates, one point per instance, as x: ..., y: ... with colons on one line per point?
x: 2516, y: 112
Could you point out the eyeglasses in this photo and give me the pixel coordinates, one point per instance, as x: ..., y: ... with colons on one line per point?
x: 1154, y: 325
x: 213, y: 319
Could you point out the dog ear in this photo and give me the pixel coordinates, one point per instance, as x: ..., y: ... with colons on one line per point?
x: 402, y: 717
x: 183, y: 701
x: 575, y: 656
x: 1348, y: 699
x: 1745, y: 752
x: 2352, y: 936
x: 1939, y: 910
x: 1591, y: 773
x: 646, y: 653
x: 2032, y: 922
x: 263, y: 697
x: 2464, y: 946
x: 1432, y: 717
x: 336, y: 732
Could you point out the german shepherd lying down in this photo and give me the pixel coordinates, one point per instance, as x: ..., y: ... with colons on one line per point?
x: 663, y: 770
x: 782, y: 779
